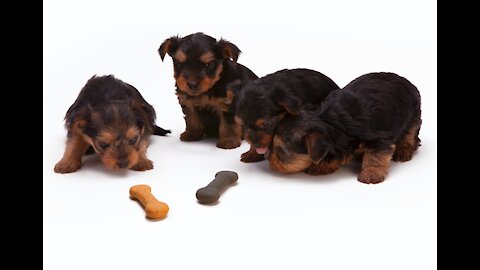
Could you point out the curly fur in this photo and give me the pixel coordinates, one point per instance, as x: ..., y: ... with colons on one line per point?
x: 112, y: 118
x: 263, y: 103
x: 377, y: 115
x: 203, y: 70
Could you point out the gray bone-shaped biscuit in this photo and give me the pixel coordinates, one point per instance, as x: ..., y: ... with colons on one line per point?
x: 212, y: 191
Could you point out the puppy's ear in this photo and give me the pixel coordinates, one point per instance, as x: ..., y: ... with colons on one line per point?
x: 290, y: 103
x: 235, y: 86
x: 168, y: 46
x: 229, y: 50
x: 83, y: 122
x: 317, y: 146
x: 144, y: 119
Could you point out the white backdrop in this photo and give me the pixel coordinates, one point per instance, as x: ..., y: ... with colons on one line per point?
x: 267, y: 220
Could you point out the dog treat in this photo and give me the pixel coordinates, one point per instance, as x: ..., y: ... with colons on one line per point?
x: 212, y: 191
x: 153, y: 207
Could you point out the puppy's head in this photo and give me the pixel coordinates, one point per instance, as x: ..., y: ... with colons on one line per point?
x: 298, y: 142
x: 261, y: 107
x: 198, y: 60
x: 118, y: 132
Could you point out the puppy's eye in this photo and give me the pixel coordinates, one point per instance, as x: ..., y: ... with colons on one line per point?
x: 267, y: 124
x: 132, y: 141
x: 209, y: 65
x: 104, y: 145
x: 179, y: 64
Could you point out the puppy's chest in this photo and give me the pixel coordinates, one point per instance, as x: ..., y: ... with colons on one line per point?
x: 217, y: 104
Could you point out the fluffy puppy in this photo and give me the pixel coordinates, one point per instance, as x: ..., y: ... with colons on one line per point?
x: 377, y: 116
x: 263, y: 103
x: 113, y: 119
x: 203, y: 68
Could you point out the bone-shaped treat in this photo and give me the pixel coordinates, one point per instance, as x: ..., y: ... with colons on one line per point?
x: 153, y: 207
x: 212, y: 191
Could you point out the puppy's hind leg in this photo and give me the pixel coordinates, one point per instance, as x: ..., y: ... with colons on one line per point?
x: 72, y: 158
x: 408, y: 144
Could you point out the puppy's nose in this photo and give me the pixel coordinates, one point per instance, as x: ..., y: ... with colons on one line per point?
x: 192, y: 85
x: 123, y: 163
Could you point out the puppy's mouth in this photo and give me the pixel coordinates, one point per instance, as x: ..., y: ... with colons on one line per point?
x: 192, y: 90
x: 261, y: 150
x: 195, y: 87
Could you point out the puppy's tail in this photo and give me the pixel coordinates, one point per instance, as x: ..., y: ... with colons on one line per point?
x: 160, y: 131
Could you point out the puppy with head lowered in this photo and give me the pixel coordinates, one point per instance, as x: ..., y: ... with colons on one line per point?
x: 203, y: 69
x: 377, y: 117
x: 262, y: 104
x: 112, y: 118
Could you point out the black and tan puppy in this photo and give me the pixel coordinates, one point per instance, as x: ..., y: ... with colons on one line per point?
x: 111, y: 117
x: 203, y: 68
x: 377, y: 116
x: 263, y: 103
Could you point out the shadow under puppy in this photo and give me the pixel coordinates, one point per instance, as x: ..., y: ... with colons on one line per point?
x: 263, y: 103
x: 203, y: 68
x: 111, y: 117
x: 376, y: 116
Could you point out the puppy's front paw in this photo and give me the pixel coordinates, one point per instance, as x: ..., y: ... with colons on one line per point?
x: 229, y: 143
x: 190, y: 136
x: 67, y: 166
x: 251, y: 156
x: 143, y: 165
x: 372, y: 176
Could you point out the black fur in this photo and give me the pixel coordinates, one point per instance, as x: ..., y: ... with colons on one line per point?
x: 274, y: 96
x: 373, y: 112
x: 111, y: 118
x: 110, y: 98
x: 203, y: 69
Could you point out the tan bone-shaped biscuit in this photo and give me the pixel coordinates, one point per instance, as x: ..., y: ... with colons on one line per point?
x: 153, y: 208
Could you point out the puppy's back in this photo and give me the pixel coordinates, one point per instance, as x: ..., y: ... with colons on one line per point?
x: 387, y: 88
x: 375, y: 104
x: 103, y: 89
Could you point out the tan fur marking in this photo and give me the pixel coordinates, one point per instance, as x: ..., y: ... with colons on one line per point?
x: 230, y: 135
x: 207, y: 57
x: 180, y: 56
x: 72, y: 157
x: 375, y: 166
x: 407, y: 145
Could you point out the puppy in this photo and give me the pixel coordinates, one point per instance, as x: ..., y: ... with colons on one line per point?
x: 376, y: 116
x: 203, y: 69
x: 111, y: 117
x: 263, y: 103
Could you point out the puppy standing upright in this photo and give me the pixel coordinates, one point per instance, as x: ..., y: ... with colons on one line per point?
x: 377, y: 116
x: 203, y: 69
x: 111, y: 117
x: 262, y: 104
